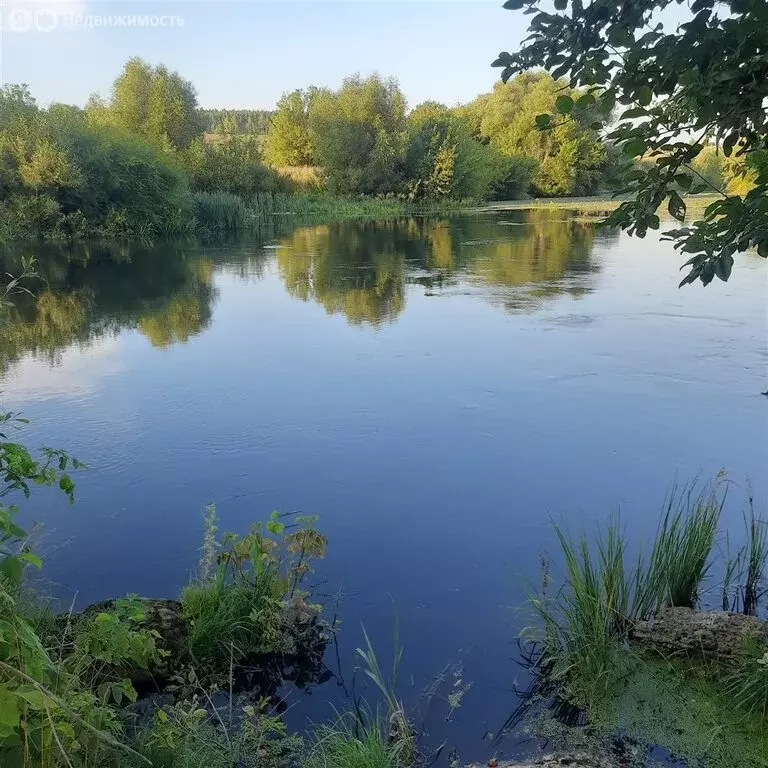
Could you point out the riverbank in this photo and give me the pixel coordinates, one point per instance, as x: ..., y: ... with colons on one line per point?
x: 591, y: 207
x: 196, y: 681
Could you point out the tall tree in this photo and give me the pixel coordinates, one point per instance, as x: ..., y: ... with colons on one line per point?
x: 569, y: 156
x: 152, y: 102
x: 289, y: 141
x: 359, y: 134
x: 705, y: 81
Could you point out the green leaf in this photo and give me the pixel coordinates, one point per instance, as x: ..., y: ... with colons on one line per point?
x: 586, y: 100
x: 643, y: 95
x: 31, y: 559
x: 514, y: 5
x: 730, y: 142
x: 635, y: 147
x: 10, y: 711
x: 723, y: 267
x: 12, y: 568
x: 607, y: 103
x: 688, y: 77
x: 561, y: 5
x: 564, y: 104
x: 762, y: 249
x: 36, y: 698
x: 543, y: 121
x: 676, y: 206
x: 684, y: 180
x: 632, y: 113
x: 67, y: 485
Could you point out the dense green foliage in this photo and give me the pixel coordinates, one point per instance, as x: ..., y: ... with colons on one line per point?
x: 233, y: 165
x: 234, y: 121
x: 151, y: 102
x: 358, y: 135
x: 128, y: 165
x: 65, y: 177
x: 681, y: 91
x: 289, y: 141
x: 569, y: 158
x: 366, y: 142
x: 236, y: 607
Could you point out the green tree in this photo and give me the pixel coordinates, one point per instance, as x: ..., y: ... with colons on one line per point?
x: 569, y: 157
x: 62, y: 176
x: 233, y: 165
x: 359, y: 135
x: 427, y: 110
x: 152, y: 102
x: 681, y: 90
x: 444, y: 160
x: 288, y: 140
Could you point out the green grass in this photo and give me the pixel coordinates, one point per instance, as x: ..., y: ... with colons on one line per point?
x: 584, y: 624
x: 220, y: 212
x: 756, y: 556
x: 747, y: 683
x: 229, y: 622
x: 681, y: 555
x: 588, y: 621
x: 699, y: 710
x: 224, y: 212
x: 349, y: 744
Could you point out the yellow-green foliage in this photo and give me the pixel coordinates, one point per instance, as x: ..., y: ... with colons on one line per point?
x: 151, y: 102
x: 61, y: 176
x: 304, y: 177
x: 569, y: 156
x: 289, y: 141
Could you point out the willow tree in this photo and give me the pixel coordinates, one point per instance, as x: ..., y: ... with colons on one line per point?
x: 152, y: 102
x: 679, y: 90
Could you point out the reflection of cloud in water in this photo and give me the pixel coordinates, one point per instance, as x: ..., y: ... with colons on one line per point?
x: 80, y: 372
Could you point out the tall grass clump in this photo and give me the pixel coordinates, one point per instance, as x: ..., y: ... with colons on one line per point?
x: 378, y: 738
x: 747, y: 683
x: 349, y: 744
x: 680, y: 558
x: 220, y: 211
x: 605, y: 592
x: 585, y: 622
x: 756, y: 556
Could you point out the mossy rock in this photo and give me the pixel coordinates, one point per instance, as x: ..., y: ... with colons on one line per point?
x: 716, y: 636
x: 301, y: 661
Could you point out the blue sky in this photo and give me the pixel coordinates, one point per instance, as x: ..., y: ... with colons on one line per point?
x: 246, y: 53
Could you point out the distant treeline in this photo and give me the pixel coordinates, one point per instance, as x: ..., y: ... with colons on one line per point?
x: 255, y: 121
x: 139, y: 163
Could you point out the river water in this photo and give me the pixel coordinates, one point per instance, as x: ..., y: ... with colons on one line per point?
x: 437, y: 390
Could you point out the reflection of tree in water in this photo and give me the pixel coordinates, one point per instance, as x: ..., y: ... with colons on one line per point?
x: 89, y: 293
x: 543, y: 254
x: 357, y: 268
x: 361, y: 269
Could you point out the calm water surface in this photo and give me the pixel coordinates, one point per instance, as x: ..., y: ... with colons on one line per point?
x: 437, y: 390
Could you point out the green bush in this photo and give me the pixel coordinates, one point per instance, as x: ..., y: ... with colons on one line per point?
x: 234, y: 166
x: 65, y: 177
x: 238, y: 610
